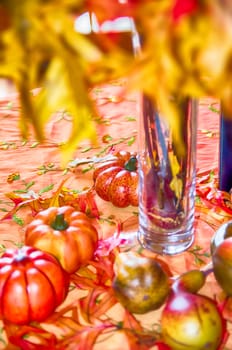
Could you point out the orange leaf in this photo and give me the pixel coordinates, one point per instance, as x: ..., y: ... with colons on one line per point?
x: 96, y: 304
x: 20, y: 336
x: 138, y: 338
x: 83, y: 201
x: 54, y: 201
x: 85, y: 338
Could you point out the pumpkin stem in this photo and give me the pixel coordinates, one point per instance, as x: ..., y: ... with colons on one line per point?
x: 131, y: 164
x: 59, y: 223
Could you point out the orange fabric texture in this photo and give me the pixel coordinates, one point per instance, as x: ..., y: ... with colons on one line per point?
x: 38, y: 167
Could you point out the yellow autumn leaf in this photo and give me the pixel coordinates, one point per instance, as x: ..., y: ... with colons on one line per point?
x: 184, y: 57
x: 57, y: 95
x: 176, y: 183
x: 173, y: 161
x: 176, y: 186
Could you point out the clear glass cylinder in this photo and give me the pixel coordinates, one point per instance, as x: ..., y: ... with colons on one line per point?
x: 167, y: 177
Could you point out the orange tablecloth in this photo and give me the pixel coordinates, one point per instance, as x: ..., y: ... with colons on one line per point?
x: 39, y: 167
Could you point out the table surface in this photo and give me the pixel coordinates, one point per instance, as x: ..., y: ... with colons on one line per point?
x: 38, y: 167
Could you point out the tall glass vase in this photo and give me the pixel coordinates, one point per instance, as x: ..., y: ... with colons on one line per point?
x: 167, y: 174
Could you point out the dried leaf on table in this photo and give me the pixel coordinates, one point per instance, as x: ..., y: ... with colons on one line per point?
x: 138, y: 337
x: 85, y: 338
x: 213, y: 198
x: 96, y: 304
x: 83, y: 201
x: 22, y: 337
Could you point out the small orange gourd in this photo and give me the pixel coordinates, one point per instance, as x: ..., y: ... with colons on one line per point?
x: 116, y: 180
x: 67, y: 234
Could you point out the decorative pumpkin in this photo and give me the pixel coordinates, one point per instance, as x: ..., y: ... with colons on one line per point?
x: 66, y: 233
x: 116, y: 180
x: 32, y: 285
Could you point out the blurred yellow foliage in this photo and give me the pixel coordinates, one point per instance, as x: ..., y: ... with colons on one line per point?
x: 185, y: 51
